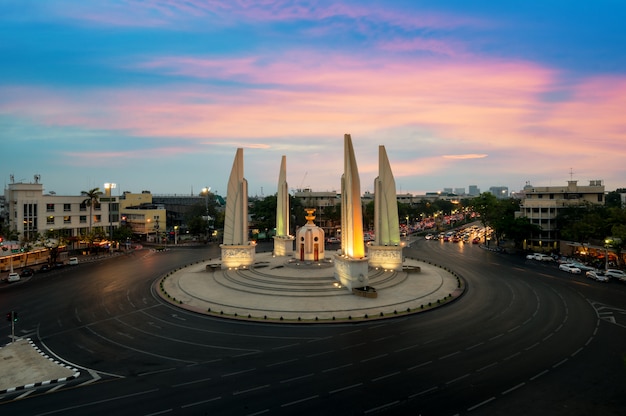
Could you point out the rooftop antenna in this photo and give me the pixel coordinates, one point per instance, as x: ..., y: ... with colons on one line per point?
x: 571, y: 174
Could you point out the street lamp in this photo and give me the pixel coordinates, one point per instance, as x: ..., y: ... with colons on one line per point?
x: 107, y: 192
x: 206, y: 191
x: 175, y: 234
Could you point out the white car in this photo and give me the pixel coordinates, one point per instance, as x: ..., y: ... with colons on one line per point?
x: 570, y: 268
x: 539, y: 257
x: 13, y: 277
x: 73, y: 261
x: 598, y: 275
x: 617, y: 274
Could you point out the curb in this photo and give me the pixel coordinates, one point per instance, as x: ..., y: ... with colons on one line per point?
x: 46, y: 382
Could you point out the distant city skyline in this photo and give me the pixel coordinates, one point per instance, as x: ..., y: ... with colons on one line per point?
x: 158, y: 95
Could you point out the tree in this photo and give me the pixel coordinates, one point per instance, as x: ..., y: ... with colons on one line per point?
x: 93, y: 197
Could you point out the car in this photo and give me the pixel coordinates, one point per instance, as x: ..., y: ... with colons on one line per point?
x: 598, y: 275
x: 570, y: 268
x: 13, y: 277
x: 27, y: 272
x: 617, y: 274
x: 581, y: 266
x: 476, y: 240
x: 45, y: 268
x: 429, y: 237
x: 539, y: 257
x: 74, y: 260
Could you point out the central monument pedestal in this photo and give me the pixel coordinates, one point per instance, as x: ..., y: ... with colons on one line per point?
x: 385, y: 257
x: 283, y: 245
x: 234, y: 256
x: 351, y: 273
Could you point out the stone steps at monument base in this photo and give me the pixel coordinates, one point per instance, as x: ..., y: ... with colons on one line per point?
x: 255, y: 281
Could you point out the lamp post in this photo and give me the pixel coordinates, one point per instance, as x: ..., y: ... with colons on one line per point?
x: 206, y: 191
x: 107, y: 191
x: 175, y: 234
x: 606, y: 254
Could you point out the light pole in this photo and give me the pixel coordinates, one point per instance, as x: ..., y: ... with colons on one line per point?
x: 206, y: 191
x: 175, y: 234
x: 107, y: 192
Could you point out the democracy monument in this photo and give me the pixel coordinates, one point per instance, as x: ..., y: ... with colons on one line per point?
x: 298, y: 281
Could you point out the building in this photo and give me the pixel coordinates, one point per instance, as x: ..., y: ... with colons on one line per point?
x: 474, y: 190
x: 31, y: 213
x: 501, y: 192
x: 146, y: 219
x: 542, y: 205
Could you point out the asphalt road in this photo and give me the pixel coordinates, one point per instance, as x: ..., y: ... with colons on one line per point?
x: 524, y: 339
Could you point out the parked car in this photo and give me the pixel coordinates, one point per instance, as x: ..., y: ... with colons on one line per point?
x: 45, y: 268
x: 616, y: 274
x: 74, y: 260
x: 570, y: 268
x: 598, y: 275
x: 27, y: 272
x: 13, y: 277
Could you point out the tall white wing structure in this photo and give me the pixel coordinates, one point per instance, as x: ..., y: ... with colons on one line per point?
x: 352, y: 244
x: 282, y: 201
x: 236, y: 214
x: 386, y: 222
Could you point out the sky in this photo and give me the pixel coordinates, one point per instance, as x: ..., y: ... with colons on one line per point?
x: 158, y: 95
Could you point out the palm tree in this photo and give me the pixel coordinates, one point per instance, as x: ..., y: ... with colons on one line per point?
x: 93, y: 197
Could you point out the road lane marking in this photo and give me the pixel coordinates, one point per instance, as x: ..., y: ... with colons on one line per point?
x: 423, y: 392
x: 328, y: 370
x: 449, y: 355
x: 345, y: 388
x: 536, y: 376
x: 317, y: 354
x: 297, y: 378
x: 250, y: 389
x: 419, y: 365
x: 381, y: 407
x: 282, y: 362
x: 299, y: 401
x: 474, y: 346
x: 184, y: 406
x: 191, y: 382
x: 149, y: 373
x: 486, y: 367
x: 374, y: 358
x: 514, y: 388
x: 286, y: 346
x: 395, y: 373
x: 238, y: 372
x: 559, y: 363
x: 457, y: 379
x: 481, y: 404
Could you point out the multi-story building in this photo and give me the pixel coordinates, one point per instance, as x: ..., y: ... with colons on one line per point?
x: 145, y: 218
x: 474, y: 190
x: 31, y: 213
x: 501, y: 192
x: 542, y: 204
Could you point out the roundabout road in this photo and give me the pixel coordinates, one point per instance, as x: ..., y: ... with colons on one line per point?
x: 524, y: 339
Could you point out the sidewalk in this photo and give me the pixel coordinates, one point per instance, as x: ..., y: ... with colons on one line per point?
x: 23, y: 365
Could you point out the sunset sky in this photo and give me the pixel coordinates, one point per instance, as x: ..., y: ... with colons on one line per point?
x: 158, y: 94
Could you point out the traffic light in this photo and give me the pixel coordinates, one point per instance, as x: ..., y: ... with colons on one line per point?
x: 9, y: 317
x: 14, y: 316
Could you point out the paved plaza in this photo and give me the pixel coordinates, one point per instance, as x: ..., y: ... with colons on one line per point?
x: 282, y: 289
